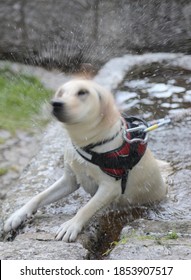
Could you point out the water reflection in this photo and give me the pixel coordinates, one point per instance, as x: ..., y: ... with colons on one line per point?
x: 155, y: 93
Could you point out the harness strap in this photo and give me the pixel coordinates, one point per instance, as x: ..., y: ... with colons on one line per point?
x: 92, y: 146
x: 124, y: 182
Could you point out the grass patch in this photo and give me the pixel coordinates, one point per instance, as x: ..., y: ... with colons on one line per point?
x: 2, y: 141
x: 172, y: 235
x: 122, y: 241
x: 3, y: 171
x: 21, y: 97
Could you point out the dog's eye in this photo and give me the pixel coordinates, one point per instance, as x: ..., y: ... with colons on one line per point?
x: 82, y: 92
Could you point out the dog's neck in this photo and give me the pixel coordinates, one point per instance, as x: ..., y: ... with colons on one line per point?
x: 101, y: 129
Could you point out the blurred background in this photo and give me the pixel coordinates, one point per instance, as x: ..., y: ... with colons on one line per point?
x: 64, y: 34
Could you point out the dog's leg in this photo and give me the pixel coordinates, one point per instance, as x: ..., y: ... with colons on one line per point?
x: 64, y: 186
x: 105, y: 194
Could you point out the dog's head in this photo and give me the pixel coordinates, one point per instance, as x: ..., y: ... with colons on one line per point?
x: 81, y: 101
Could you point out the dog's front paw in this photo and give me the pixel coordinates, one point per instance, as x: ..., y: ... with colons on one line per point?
x: 16, y: 219
x: 69, y: 231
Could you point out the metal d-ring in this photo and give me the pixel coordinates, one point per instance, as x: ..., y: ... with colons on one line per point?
x: 143, y: 141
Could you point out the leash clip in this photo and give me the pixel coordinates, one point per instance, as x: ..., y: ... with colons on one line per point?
x: 139, y: 125
x: 135, y: 139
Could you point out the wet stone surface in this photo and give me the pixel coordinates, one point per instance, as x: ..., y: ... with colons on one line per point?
x: 27, y: 248
x: 15, y: 153
x: 148, y: 239
x: 40, y: 230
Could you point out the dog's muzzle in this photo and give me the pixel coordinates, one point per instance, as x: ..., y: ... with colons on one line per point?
x: 58, y: 110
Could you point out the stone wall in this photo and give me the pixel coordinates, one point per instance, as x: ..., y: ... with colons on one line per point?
x: 65, y: 33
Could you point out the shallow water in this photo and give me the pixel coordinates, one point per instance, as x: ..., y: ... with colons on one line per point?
x: 153, y: 91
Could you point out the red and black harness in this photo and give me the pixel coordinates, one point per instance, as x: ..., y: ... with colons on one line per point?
x: 118, y: 162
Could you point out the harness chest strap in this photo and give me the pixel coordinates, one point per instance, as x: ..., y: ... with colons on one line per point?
x: 117, y: 163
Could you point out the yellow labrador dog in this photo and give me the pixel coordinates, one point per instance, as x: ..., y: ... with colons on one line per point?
x: 105, y: 154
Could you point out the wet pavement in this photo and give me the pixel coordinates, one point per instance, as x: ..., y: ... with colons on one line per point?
x: 16, y: 150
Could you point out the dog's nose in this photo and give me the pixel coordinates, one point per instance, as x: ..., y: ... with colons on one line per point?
x: 57, y: 104
x: 57, y: 109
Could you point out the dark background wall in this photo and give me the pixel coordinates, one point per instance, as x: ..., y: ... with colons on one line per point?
x: 62, y: 33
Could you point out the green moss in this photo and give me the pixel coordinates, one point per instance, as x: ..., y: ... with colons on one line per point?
x: 2, y: 141
x: 122, y: 241
x: 172, y: 235
x: 3, y: 171
x: 21, y: 97
x: 135, y: 235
